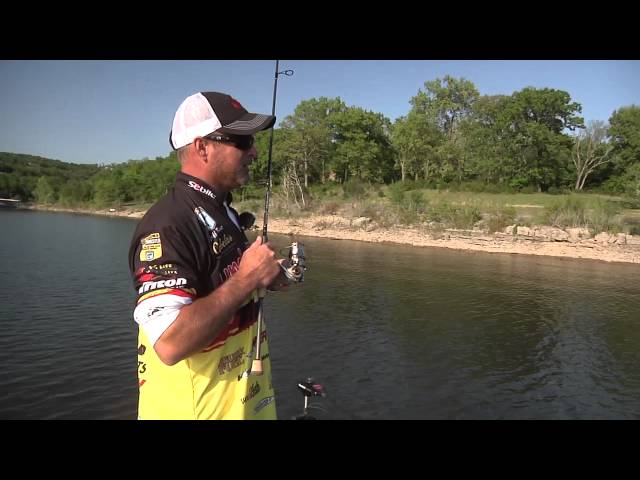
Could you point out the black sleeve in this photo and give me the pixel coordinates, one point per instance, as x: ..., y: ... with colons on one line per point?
x: 166, y: 260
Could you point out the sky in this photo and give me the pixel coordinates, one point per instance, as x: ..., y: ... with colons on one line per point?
x: 109, y: 111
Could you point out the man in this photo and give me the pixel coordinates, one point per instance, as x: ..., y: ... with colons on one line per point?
x: 197, y: 277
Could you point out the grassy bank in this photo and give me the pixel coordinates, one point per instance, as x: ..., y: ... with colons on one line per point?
x: 434, y: 210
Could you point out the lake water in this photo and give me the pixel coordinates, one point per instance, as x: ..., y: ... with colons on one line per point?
x: 392, y: 332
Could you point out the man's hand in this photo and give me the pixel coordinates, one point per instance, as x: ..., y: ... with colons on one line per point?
x: 260, y: 264
x: 281, y: 283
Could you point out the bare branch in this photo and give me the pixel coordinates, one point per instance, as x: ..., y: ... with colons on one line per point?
x: 585, y: 155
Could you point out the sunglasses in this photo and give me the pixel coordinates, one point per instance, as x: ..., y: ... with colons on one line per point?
x: 241, y: 142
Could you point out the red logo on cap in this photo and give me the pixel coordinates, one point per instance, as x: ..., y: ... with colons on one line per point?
x: 235, y: 103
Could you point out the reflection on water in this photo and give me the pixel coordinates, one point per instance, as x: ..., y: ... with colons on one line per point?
x: 392, y: 332
x: 401, y: 332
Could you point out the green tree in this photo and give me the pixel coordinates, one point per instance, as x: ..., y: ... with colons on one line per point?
x: 447, y: 101
x: 485, y: 146
x: 415, y: 140
x: 24, y: 171
x: 363, y: 148
x: 624, y: 131
x: 532, y: 124
x: 292, y: 165
x: 10, y: 186
x: 69, y: 193
x: 259, y: 170
x: 44, y: 192
x: 312, y: 134
x: 106, y: 186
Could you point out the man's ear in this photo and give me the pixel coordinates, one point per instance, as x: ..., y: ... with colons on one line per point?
x: 200, y: 146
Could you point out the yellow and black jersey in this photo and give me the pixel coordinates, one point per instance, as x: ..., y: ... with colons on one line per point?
x: 186, y: 246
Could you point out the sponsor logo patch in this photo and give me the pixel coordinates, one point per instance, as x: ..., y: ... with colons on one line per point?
x: 220, y: 244
x: 174, y: 282
x: 231, y: 269
x: 263, y: 403
x: 236, y: 104
x: 253, y: 391
x: 208, y: 221
x: 199, y: 188
x: 151, y: 248
x: 165, y: 269
x: 231, y: 361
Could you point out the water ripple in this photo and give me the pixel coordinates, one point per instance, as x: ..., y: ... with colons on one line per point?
x: 391, y: 331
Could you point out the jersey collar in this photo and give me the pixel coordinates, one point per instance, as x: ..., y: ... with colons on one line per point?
x: 201, y: 189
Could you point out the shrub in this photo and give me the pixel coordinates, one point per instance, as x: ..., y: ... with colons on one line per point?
x: 599, y: 215
x: 500, y: 217
x: 529, y: 189
x: 396, y: 193
x: 567, y: 212
x: 354, y: 188
x: 416, y: 203
x: 330, y: 208
x: 602, y: 217
x: 463, y: 217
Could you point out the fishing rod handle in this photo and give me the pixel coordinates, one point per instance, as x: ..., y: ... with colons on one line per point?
x: 256, y: 367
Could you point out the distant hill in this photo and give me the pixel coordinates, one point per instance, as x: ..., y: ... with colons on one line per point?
x: 31, y: 165
x: 43, y: 180
x: 19, y: 174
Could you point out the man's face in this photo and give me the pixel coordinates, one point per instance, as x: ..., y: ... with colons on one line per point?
x: 230, y: 165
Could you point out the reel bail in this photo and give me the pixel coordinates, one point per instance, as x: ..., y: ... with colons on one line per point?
x: 297, y: 263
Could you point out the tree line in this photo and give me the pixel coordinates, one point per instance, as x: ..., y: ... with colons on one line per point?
x: 531, y: 140
x: 36, y: 179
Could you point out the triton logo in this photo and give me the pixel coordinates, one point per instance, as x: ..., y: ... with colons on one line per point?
x: 175, y: 282
x: 263, y: 403
x: 199, y: 188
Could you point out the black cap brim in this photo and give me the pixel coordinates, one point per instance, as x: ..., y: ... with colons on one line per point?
x: 249, y: 124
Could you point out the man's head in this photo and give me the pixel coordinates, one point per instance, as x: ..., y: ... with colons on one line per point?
x: 205, y: 113
x: 213, y: 134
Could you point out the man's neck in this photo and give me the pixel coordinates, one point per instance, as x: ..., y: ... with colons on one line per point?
x: 220, y: 191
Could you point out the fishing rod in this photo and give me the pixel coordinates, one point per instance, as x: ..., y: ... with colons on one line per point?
x: 295, y: 270
x: 267, y: 195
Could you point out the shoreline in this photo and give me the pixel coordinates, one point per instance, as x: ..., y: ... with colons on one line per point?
x: 604, y: 247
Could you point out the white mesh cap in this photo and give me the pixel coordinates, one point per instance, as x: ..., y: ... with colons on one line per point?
x: 207, y: 112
